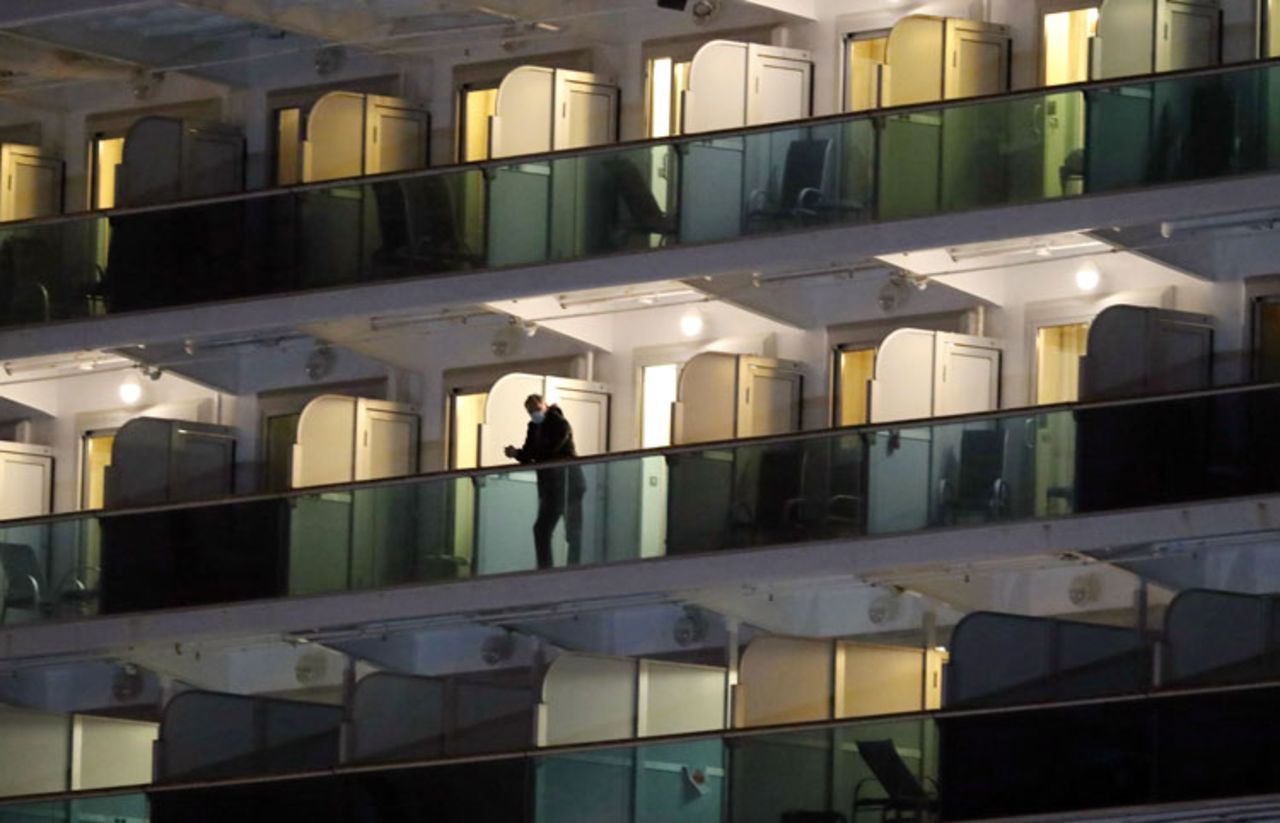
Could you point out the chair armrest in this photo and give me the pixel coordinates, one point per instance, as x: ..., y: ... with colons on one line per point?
x: 843, y: 501
x: 858, y: 800
x: 810, y: 199
x: 790, y: 507
x: 34, y: 586
x: 999, y: 496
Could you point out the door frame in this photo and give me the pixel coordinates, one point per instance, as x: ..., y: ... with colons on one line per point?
x: 1034, y: 325
x: 679, y: 354
x: 1043, y: 9
x: 871, y: 333
x: 82, y: 477
x: 282, y: 402
x: 845, y: 39
x: 835, y: 384
x: 1257, y: 290
x: 451, y: 424
x: 460, y: 116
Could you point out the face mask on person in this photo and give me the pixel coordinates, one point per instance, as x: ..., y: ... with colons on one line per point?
x: 537, y: 416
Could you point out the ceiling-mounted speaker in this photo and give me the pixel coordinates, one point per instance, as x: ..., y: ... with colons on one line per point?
x: 675, y: 5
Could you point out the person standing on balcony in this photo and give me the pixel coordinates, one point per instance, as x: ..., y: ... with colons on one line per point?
x: 549, y: 438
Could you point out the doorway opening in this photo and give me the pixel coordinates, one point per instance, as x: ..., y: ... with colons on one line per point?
x: 105, y: 156
x: 288, y: 146
x: 864, y: 59
x: 658, y: 388
x: 1058, y: 352
x: 106, y: 153
x: 855, y: 367
x: 668, y: 81
x: 1067, y: 37
x: 1059, y: 348
x: 477, y: 104
x: 1266, y: 346
x: 280, y: 432
x: 95, y: 457
x: 466, y: 414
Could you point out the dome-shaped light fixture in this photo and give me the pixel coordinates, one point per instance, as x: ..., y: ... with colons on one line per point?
x: 130, y: 391
x: 691, y: 323
x: 1088, y: 276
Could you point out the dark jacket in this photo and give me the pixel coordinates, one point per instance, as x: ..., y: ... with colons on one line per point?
x: 550, y: 440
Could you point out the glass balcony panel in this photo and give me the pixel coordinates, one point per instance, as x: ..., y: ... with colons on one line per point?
x: 1190, y: 747
x: 892, y: 165
x: 844, y: 483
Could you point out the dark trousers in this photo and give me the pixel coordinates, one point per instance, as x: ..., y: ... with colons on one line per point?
x: 560, y: 493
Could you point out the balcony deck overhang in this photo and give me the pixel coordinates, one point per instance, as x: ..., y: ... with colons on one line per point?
x: 831, y: 247
x: 372, y: 612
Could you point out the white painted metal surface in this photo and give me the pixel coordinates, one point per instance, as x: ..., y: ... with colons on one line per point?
x: 30, y: 182
x: 26, y: 480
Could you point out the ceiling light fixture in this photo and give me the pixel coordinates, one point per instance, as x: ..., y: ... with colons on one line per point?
x: 85, y: 362
x: 1041, y: 246
x: 130, y: 391
x: 1088, y: 276
x: 647, y: 298
x: 1251, y: 221
x: 692, y: 323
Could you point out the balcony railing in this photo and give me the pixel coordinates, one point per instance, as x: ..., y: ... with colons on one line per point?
x: 886, y: 165
x: 1185, y: 747
x: 837, y: 484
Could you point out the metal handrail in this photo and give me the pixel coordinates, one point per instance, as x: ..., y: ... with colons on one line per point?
x: 726, y: 735
x: 612, y: 457
x: 487, y: 166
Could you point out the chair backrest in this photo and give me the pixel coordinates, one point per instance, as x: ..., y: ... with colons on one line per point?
x: 806, y: 168
x: 19, y: 563
x: 635, y: 193
x: 23, y: 261
x: 981, y: 463
x: 890, y: 770
x: 781, y: 479
x: 430, y: 215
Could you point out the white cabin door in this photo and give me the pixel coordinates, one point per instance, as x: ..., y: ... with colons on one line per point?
x: 977, y: 60
x: 1180, y: 354
x: 586, y: 407
x: 770, y: 398
x: 913, y: 70
x: 334, y: 148
x: 902, y: 388
x: 201, y: 464
x: 966, y: 375
x: 212, y: 161
x: 323, y: 451
x: 586, y: 111
x: 779, y: 84
x: 706, y: 399
x: 505, y: 420
x: 1125, y: 44
x: 1188, y: 35
x: 717, y: 95
x: 386, y: 440
x: 30, y: 183
x: 151, y: 169
x: 396, y: 135
x: 523, y: 122
x: 26, y: 484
